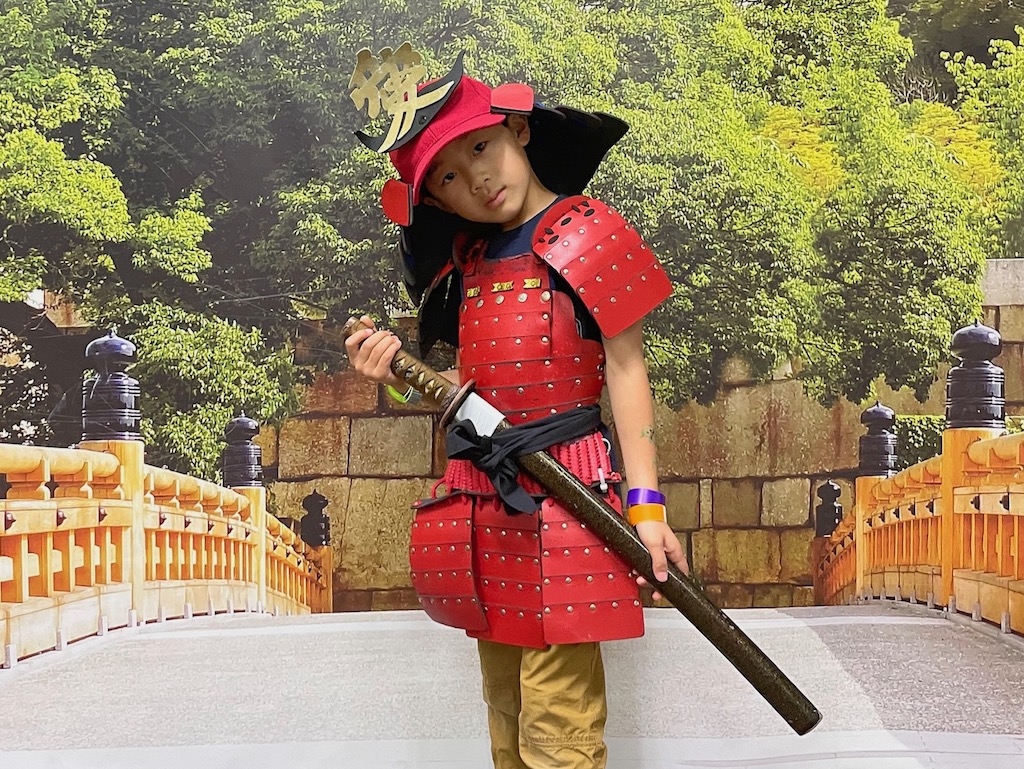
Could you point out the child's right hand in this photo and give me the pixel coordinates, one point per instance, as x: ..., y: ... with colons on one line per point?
x: 371, y: 352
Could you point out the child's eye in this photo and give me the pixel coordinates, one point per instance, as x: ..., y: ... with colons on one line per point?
x: 448, y: 177
x: 479, y: 148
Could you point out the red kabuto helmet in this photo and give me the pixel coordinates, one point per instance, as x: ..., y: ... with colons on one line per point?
x: 565, y: 149
x: 453, y: 106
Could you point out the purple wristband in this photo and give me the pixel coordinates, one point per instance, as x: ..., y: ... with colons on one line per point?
x: 644, y: 497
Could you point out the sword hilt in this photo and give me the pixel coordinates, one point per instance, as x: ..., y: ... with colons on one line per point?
x: 411, y: 370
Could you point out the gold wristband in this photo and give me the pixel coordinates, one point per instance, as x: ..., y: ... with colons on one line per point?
x: 648, y: 511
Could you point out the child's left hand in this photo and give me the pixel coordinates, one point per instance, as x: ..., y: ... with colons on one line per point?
x: 659, y: 538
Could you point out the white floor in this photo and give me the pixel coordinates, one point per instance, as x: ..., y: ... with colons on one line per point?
x: 898, y: 689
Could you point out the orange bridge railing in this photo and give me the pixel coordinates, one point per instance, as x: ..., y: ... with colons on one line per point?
x: 948, y: 531
x: 93, y: 539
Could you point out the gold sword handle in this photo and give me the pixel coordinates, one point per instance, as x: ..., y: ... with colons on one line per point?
x: 446, y: 394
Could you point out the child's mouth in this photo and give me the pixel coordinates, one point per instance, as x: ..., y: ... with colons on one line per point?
x: 497, y: 200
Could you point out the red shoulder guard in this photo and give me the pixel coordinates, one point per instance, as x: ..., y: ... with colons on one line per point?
x: 604, y: 260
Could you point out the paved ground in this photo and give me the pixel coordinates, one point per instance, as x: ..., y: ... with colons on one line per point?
x: 899, y: 688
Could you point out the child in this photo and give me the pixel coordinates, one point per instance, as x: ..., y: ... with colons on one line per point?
x: 543, y: 296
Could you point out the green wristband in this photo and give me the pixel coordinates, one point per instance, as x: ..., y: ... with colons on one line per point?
x: 412, y: 395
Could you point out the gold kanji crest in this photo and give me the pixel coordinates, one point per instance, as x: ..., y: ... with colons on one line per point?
x: 390, y: 82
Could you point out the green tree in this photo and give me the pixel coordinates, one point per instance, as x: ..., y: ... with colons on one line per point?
x: 993, y: 97
x: 800, y: 213
x: 69, y: 226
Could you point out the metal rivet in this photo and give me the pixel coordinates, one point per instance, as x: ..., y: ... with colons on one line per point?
x: 545, y: 296
x: 568, y: 608
x: 499, y: 299
x: 479, y: 302
x: 522, y: 297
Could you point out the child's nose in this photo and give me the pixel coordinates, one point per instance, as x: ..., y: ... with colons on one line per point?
x: 480, y: 177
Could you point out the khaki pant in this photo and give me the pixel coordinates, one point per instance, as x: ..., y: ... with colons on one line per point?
x: 546, y: 708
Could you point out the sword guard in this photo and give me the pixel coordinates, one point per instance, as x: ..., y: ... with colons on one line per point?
x: 456, y: 403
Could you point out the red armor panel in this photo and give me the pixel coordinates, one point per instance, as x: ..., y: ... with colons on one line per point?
x: 518, y: 341
x: 605, y: 261
x: 441, y: 561
x: 531, y: 580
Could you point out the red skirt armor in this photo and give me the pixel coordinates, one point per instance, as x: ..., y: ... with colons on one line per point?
x: 527, y: 579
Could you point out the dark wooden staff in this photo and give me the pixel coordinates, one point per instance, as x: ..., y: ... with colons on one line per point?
x: 680, y: 589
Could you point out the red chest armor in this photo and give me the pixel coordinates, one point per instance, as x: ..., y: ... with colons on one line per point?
x: 518, y: 340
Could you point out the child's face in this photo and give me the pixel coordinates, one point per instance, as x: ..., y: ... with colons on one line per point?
x: 486, y: 177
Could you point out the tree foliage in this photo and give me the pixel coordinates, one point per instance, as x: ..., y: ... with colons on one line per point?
x: 187, y: 172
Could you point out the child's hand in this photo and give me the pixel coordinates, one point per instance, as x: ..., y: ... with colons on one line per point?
x: 371, y: 352
x: 664, y: 546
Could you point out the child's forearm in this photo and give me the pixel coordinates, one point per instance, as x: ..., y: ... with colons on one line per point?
x: 632, y: 406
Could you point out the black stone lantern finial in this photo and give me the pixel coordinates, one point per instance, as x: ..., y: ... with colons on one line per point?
x: 110, y: 400
x: 242, y: 460
x: 878, y: 447
x: 976, y: 389
x: 829, y: 512
x: 316, y: 525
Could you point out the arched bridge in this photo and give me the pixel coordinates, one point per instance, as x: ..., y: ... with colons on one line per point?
x: 153, y: 619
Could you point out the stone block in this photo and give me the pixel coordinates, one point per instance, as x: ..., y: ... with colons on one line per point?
x: 726, y: 596
x: 766, y: 430
x: 342, y: 394
x: 749, y: 556
x: 683, y: 502
x: 375, y: 548
x: 786, y: 502
x: 440, y: 451
x: 352, y: 600
x: 904, y: 401
x: 267, y: 441
x: 990, y: 317
x: 771, y: 596
x: 736, y: 502
x: 706, y: 503
x: 803, y: 595
x: 736, y: 371
x: 725, y: 439
x: 392, y: 446
x: 285, y: 500
x: 394, y: 600
x: 704, y: 562
x: 310, y: 448
x: 795, y: 547
x: 1003, y: 282
x: 1011, y: 324
x: 1011, y: 359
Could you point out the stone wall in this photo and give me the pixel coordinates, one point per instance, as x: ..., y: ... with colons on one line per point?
x: 740, y: 474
